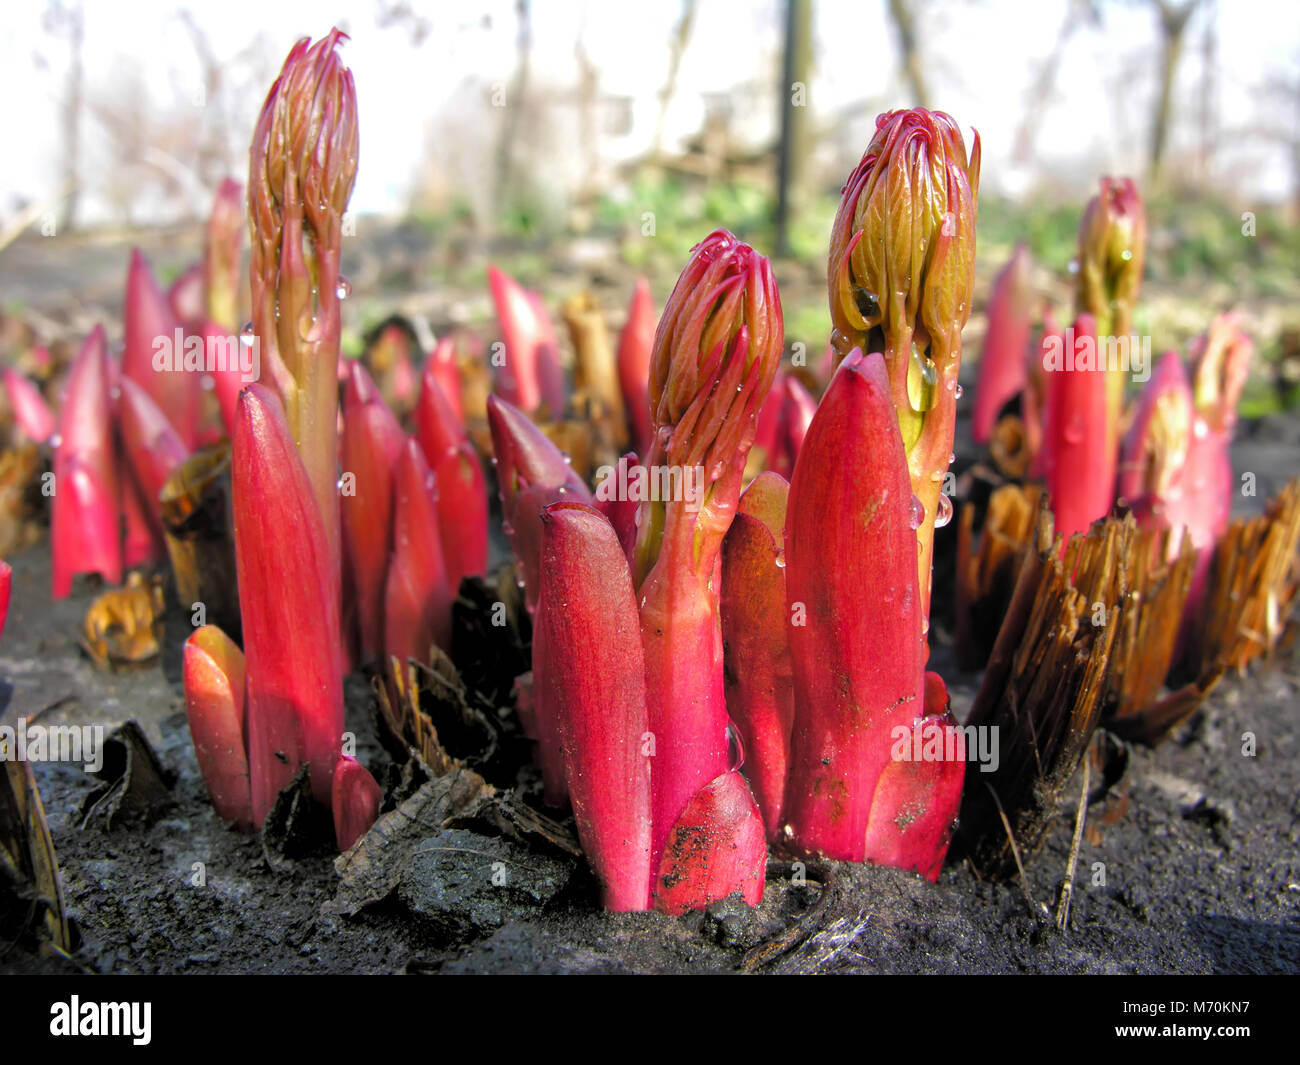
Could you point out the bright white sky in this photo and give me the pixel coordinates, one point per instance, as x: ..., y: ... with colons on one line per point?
x: 982, y: 54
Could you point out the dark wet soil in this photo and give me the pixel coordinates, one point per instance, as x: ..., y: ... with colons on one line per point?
x: 1192, y: 865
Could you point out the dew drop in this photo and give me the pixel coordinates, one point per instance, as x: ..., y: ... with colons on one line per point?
x: 957, y: 392
x: 868, y: 303
x: 735, y: 747
x: 563, y: 490
x: 922, y: 381
x: 943, y: 514
x: 780, y: 558
x: 568, y: 459
x: 717, y: 471
x: 344, y: 288
x: 246, y: 335
x: 1126, y: 255
x: 1074, y: 266
x: 915, y: 513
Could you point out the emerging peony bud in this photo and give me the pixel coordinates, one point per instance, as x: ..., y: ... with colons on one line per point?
x: 716, y: 352
x: 1220, y: 359
x: 1112, y: 249
x: 900, y: 274
x: 302, y: 167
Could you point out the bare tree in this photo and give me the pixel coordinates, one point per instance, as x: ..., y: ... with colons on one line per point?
x: 681, y: 37
x: 66, y: 19
x: 514, y: 107
x: 792, y: 148
x: 903, y: 15
x: 1172, y: 19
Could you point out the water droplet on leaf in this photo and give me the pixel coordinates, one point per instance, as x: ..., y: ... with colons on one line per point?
x: 922, y: 381
x: 915, y: 513
x: 735, y: 747
x: 868, y: 303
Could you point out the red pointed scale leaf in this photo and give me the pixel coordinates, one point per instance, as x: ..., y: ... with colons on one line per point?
x: 85, y: 520
x: 152, y: 329
x: 797, y: 412
x: 854, y: 610
x: 373, y: 442
x: 6, y: 581
x: 417, y: 601
x: 1003, y: 373
x: 532, y: 473
x: 518, y: 372
x: 755, y: 631
x: 442, y: 367
x: 587, y: 650
x: 918, y: 795
x: 715, y: 849
x: 462, y: 488
x: 635, y: 346
x: 620, y: 507
x: 214, y: 702
x: 1079, y: 456
x: 152, y: 444
x: 31, y: 413
x: 290, y: 614
x: 355, y: 801
x: 186, y: 297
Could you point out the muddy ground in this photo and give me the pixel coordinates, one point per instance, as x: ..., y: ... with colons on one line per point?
x: 1193, y: 867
